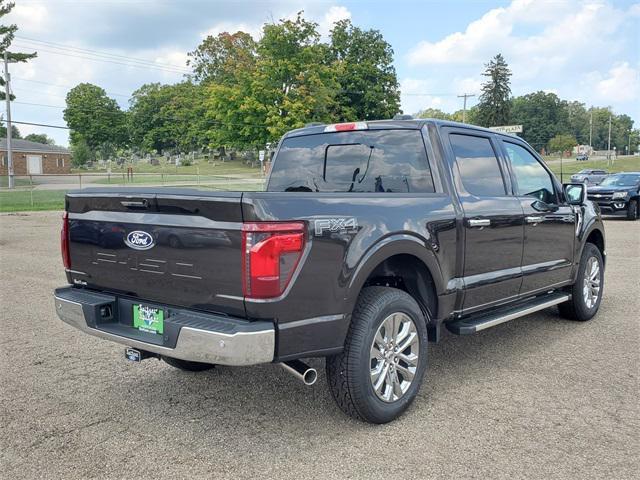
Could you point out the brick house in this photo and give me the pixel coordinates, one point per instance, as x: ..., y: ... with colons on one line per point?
x: 32, y: 158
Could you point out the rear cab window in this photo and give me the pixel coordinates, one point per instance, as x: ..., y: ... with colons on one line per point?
x: 371, y: 161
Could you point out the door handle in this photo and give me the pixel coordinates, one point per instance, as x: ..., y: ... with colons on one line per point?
x: 534, y: 219
x: 479, y: 222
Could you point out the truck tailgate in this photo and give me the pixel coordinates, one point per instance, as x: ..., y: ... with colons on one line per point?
x: 180, y: 247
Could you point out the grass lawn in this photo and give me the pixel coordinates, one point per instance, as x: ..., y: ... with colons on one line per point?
x: 20, y: 200
x: 173, y: 179
x: 204, y: 168
x: 570, y: 166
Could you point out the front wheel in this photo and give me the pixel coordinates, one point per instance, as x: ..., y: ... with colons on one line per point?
x: 632, y: 210
x: 586, y: 292
x: 380, y: 370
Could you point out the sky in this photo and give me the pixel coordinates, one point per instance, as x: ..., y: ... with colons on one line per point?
x: 587, y: 51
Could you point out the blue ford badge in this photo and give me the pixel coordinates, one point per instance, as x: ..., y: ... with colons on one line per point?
x: 140, y: 240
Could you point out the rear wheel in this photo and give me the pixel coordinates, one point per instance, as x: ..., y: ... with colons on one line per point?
x: 586, y: 292
x: 186, y: 365
x: 632, y: 210
x: 380, y: 370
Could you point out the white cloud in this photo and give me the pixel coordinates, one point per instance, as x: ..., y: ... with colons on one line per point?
x: 620, y: 84
x: 580, y: 50
x: 36, y: 15
x: 333, y: 15
x: 567, y: 33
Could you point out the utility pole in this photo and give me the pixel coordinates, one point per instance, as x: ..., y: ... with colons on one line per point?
x: 7, y: 85
x: 464, y: 108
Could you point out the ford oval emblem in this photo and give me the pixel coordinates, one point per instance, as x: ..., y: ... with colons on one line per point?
x: 140, y: 240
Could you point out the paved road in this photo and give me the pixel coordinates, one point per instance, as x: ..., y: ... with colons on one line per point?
x: 539, y: 397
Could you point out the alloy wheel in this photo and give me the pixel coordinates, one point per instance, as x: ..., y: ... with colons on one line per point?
x: 394, y: 357
x: 591, y: 284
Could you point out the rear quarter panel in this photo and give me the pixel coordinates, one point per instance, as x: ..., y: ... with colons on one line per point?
x: 336, y: 263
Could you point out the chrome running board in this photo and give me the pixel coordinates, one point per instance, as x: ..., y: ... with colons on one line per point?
x: 467, y: 326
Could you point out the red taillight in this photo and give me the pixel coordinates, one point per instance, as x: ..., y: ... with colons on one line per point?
x: 270, y: 255
x: 64, y: 241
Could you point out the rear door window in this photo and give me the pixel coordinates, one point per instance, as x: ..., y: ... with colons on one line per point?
x: 478, y: 165
x: 383, y: 161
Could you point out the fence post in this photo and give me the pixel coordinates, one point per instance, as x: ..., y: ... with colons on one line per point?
x: 31, y: 189
x: 80, y: 177
x: 198, y: 175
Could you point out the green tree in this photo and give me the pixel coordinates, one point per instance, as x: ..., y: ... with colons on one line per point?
x: 15, y: 133
x: 220, y: 59
x: 169, y: 117
x: 574, y: 120
x: 81, y: 154
x: 94, y: 118
x: 40, y: 138
x: 434, y: 113
x: 7, y: 33
x: 542, y: 116
x: 494, y: 106
x: 562, y: 143
x: 292, y: 84
x: 363, y: 63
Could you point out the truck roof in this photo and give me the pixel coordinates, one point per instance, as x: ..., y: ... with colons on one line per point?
x: 413, y: 123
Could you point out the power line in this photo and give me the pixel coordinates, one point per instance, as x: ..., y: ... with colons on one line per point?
x: 127, y: 64
x: 39, y: 104
x: 58, y: 85
x: 36, y: 124
x: 464, y: 108
x: 429, y: 94
x: 213, y: 122
x: 101, y: 53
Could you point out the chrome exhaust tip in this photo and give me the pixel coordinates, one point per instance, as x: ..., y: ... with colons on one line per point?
x: 301, y: 371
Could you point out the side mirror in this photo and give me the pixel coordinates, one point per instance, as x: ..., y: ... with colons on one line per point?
x: 575, y: 193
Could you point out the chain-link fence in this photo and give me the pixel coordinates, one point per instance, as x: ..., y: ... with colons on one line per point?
x: 47, y: 191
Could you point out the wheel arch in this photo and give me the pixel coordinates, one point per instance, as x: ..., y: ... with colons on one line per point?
x: 402, y: 262
x: 595, y: 236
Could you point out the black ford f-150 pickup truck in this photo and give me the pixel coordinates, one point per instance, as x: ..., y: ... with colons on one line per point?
x: 369, y: 238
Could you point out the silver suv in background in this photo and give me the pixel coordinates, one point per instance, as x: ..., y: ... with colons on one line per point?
x: 590, y: 176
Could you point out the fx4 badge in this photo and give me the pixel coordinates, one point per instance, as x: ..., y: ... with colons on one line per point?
x: 335, y: 225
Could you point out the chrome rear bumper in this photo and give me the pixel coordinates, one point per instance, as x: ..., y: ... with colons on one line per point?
x: 194, y: 344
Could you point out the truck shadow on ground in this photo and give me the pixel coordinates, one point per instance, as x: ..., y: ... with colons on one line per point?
x: 235, y: 402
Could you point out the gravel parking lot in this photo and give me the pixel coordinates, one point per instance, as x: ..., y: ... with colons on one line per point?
x: 538, y: 397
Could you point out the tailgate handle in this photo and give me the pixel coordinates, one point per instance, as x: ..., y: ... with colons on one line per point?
x: 135, y: 203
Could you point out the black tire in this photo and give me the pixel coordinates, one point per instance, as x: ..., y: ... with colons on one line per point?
x: 186, y: 365
x: 632, y: 210
x: 349, y: 373
x: 577, y: 308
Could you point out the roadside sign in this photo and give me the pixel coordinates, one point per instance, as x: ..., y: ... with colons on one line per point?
x: 508, y: 129
x: 261, y: 155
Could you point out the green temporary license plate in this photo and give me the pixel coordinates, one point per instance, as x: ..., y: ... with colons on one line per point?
x: 148, y: 319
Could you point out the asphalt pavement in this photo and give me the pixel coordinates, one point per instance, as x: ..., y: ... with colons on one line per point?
x: 538, y: 397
